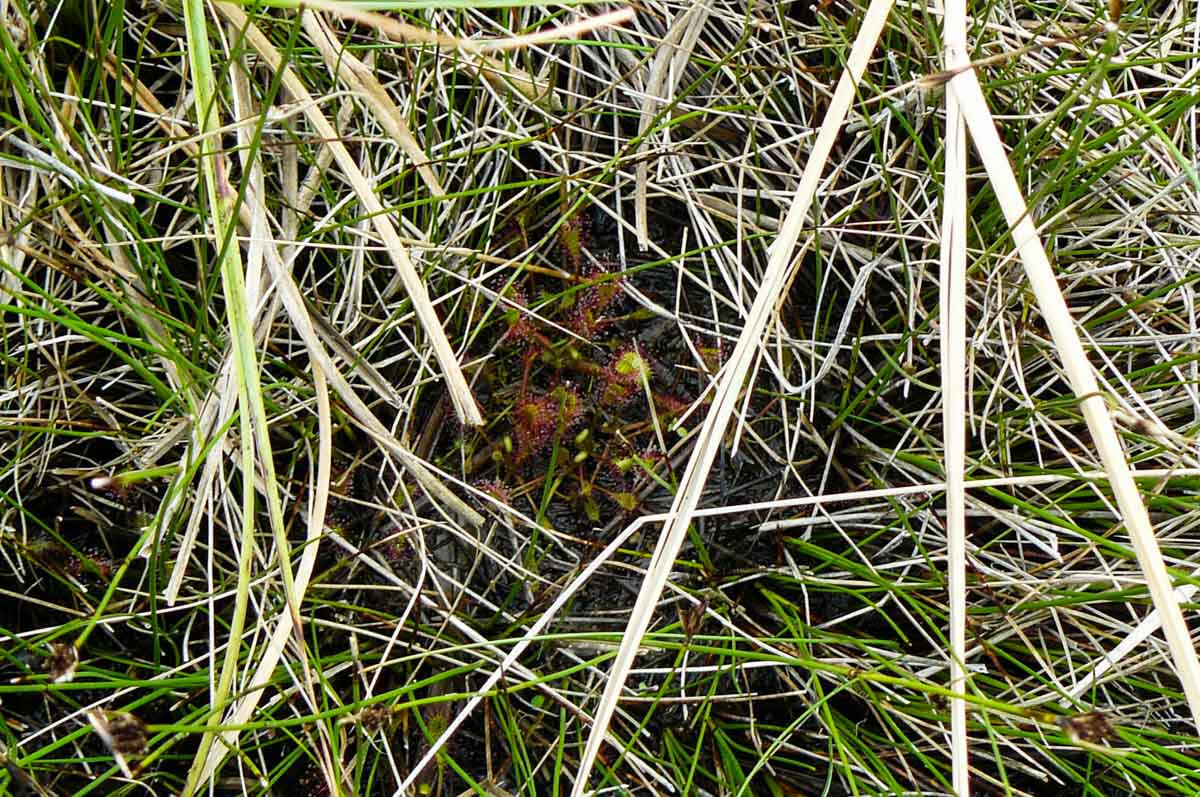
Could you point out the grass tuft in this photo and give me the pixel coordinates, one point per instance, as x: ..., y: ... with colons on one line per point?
x: 507, y: 398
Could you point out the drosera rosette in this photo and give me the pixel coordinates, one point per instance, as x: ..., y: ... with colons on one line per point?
x: 349, y: 491
x: 84, y: 565
x: 632, y: 373
x: 712, y: 352
x: 621, y: 381
x: 638, y: 468
x: 523, y: 334
x: 589, y: 314
x: 495, y: 489
x: 522, y: 331
x: 539, y: 419
x: 494, y: 496
x: 587, y: 308
x: 394, y: 545
x: 670, y: 406
x: 603, y: 490
x: 93, y: 561
x: 574, y: 237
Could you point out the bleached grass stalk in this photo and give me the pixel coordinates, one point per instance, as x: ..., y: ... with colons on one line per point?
x: 244, y: 709
x: 953, y: 310
x: 456, y: 382
x: 254, y: 437
x: 666, y: 70
x: 217, y: 408
x: 295, y: 305
x: 710, y: 436
x: 215, y: 414
x: 252, y: 285
x: 1149, y: 624
x: 357, y: 77
x: 361, y: 412
x: 574, y: 30
x: 219, y: 194
x: 323, y: 369
x: 402, y: 31
x: 259, y: 227
x: 1083, y: 381
x: 564, y: 597
x: 70, y: 175
x: 497, y: 73
x: 531, y: 635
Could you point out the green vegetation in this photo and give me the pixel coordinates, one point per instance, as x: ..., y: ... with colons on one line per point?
x: 260, y: 264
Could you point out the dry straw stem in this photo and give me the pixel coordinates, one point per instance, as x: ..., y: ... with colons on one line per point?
x: 294, y: 303
x: 323, y: 369
x: 359, y: 78
x: 456, y: 383
x: 710, y: 437
x: 557, y: 33
x: 498, y: 74
x: 241, y: 713
x: 288, y: 622
x: 531, y: 635
x: 210, y: 415
x: 665, y: 73
x: 1149, y: 624
x: 254, y: 444
x: 953, y: 311
x: 259, y: 241
x: 369, y: 374
x: 1083, y: 381
x: 400, y: 31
